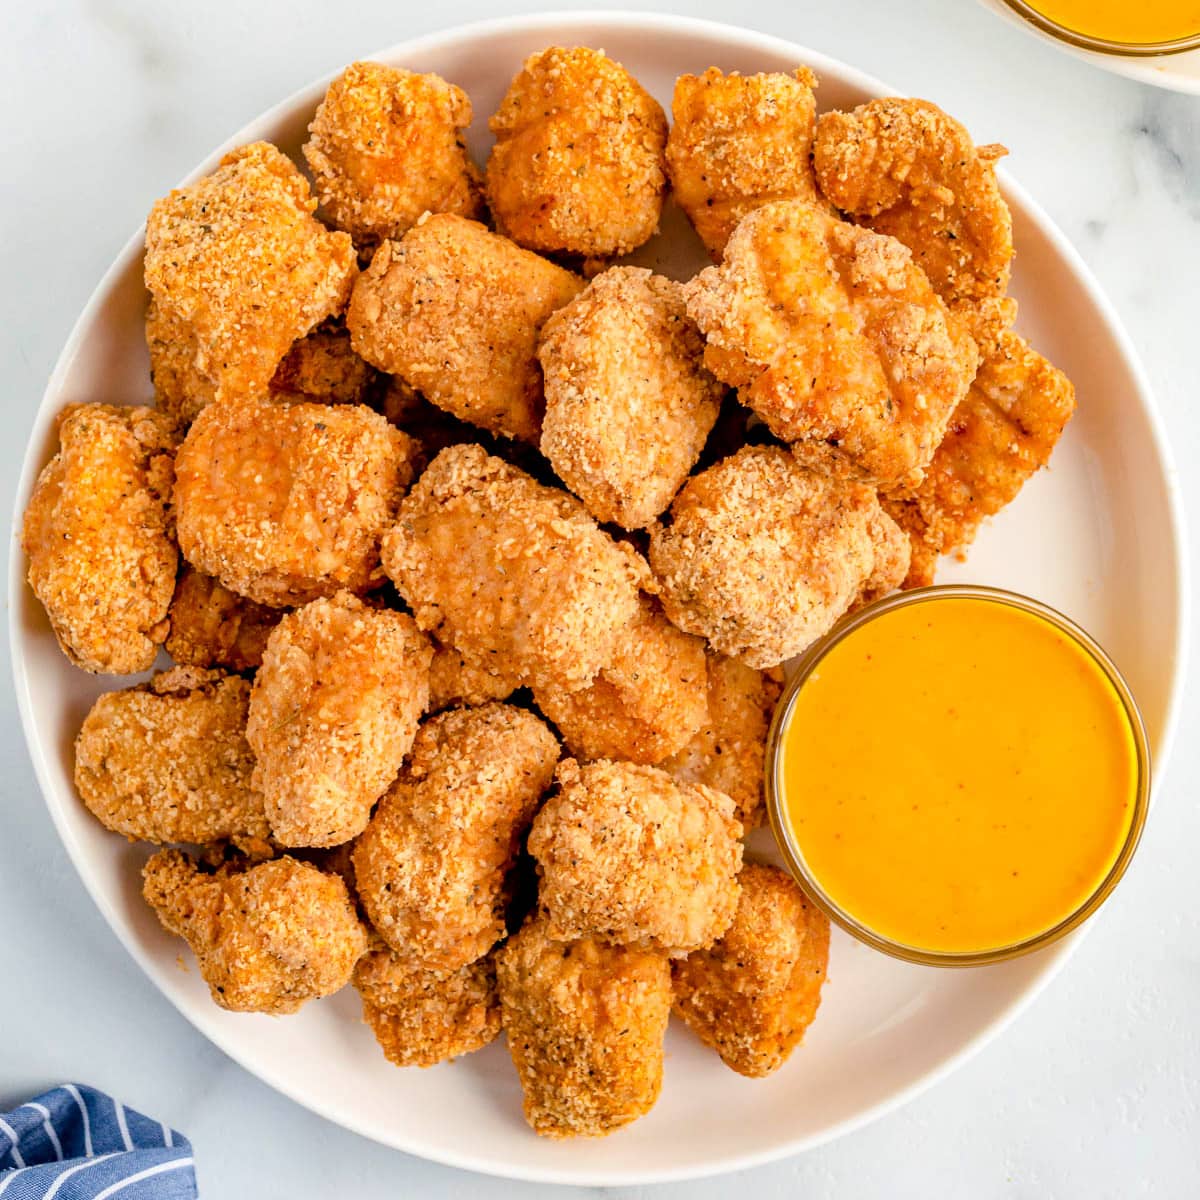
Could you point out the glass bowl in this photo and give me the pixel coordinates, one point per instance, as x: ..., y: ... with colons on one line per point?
x: 1102, y: 45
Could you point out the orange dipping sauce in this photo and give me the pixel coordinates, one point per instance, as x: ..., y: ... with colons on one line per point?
x: 1134, y: 22
x: 957, y: 775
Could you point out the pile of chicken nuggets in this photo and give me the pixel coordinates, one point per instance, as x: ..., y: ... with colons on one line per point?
x: 477, y: 552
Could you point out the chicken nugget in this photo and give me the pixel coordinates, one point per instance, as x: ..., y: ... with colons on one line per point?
x: 578, y: 162
x: 268, y: 938
x: 431, y: 865
x: 214, y: 627
x: 322, y: 368
x: 585, y: 1023
x: 728, y: 753
x: 628, y: 401
x: 239, y: 268
x: 515, y: 576
x: 1002, y: 433
x: 453, y: 681
x: 97, y: 531
x: 287, y: 502
x: 628, y: 854
x: 168, y: 761
x: 455, y: 311
x: 906, y: 169
x: 836, y: 339
x: 752, y: 996
x: 421, y: 1018
x: 333, y: 713
x: 739, y: 142
x: 761, y: 556
x: 386, y: 146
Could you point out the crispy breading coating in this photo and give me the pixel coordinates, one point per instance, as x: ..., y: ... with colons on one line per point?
x: 585, y: 1023
x: 431, y: 865
x: 455, y: 311
x: 905, y: 168
x: 644, y: 704
x: 628, y: 401
x: 214, y: 627
x: 835, y: 338
x: 287, y: 502
x: 386, y: 146
x: 421, y: 1018
x: 267, y: 939
x: 739, y: 142
x: 578, y: 162
x: 239, y: 268
x: 1004, y: 431
x: 97, y: 531
x: 515, y: 576
x: 762, y: 556
x: 628, y: 854
x: 322, y: 368
x: 728, y: 753
x: 755, y: 993
x: 454, y: 682
x: 168, y: 761
x: 334, y: 711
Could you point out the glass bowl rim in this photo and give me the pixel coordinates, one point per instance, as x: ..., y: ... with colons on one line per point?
x: 1086, y: 41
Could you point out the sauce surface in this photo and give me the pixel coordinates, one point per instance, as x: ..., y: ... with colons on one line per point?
x: 958, y: 774
x: 1139, y: 23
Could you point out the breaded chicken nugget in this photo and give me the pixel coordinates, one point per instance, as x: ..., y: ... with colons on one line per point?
x: 753, y: 995
x: 628, y: 401
x: 334, y: 711
x: 455, y: 311
x: 645, y: 704
x: 628, y: 854
x: 239, y: 268
x: 515, y: 576
x: 453, y: 681
x: 905, y: 168
x: 739, y: 142
x: 287, y: 502
x: 386, y: 146
x: 431, y: 865
x: 728, y: 752
x: 420, y: 1017
x: 98, y: 535
x: 322, y: 368
x: 267, y: 939
x: 578, y: 162
x: 835, y: 338
x: 585, y: 1023
x: 761, y: 556
x: 1004, y: 431
x: 214, y: 627
x: 168, y: 761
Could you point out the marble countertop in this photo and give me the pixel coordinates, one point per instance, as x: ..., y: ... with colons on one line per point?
x: 104, y: 104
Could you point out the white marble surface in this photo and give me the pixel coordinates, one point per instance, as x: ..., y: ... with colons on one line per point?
x: 1096, y: 1092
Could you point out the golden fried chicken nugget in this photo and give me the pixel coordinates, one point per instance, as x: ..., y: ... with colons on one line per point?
x: 239, y: 268
x: 739, y: 142
x: 322, y: 368
x: 214, y: 627
x: 517, y: 577
x: 628, y: 401
x: 386, y: 146
x: 833, y: 336
x: 168, y: 761
x: 585, y: 1023
x: 97, y: 531
x: 752, y: 996
x: 628, y: 854
x: 431, y: 865
x: 906, y: 169
x: 762, y: 556
x: 644, y: 704
x: 287, y: 502
x: 729, y: 751
x: 421, y: 1018
x: 578, y: 162
x: 334, y: 711
x: 455, y: 311
x: 454, y: 682
x: 268, y: 938
x: 1001, y: 434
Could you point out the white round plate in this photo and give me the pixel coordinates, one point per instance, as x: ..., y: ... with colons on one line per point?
x: 1175, y: 72
x: 1097, y: 536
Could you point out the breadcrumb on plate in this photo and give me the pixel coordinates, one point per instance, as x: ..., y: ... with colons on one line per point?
x: 214, y: 627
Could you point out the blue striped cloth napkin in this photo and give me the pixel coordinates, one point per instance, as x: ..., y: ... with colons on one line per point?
x: 75, y: 1143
